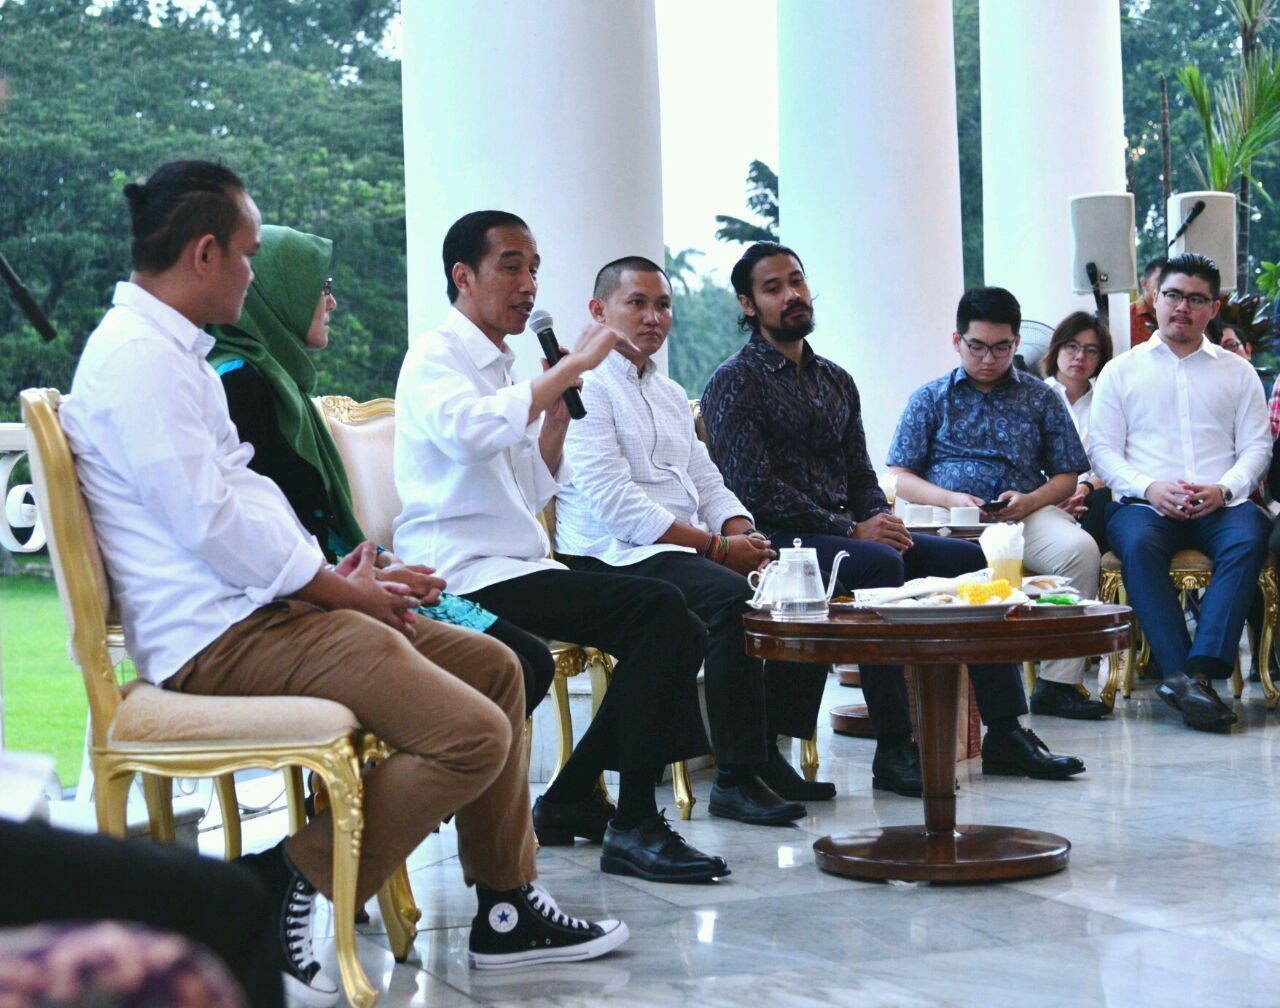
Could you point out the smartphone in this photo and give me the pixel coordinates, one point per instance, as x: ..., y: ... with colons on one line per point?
x: 994, y: 505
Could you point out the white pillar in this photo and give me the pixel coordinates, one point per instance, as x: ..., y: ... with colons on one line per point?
x: 869, y: 182
x: 1052, y: 128
x: 545, y: 108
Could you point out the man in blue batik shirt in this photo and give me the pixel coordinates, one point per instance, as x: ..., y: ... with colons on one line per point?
x: 985, y: 431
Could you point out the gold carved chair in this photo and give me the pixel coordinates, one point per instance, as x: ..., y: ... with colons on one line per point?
x: 138, y: 728
x: 365, y: 435
x: 809, y: 746
x: 1191, y: 571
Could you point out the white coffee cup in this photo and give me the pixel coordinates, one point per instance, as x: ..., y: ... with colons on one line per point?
x: 918, y: 514
x: 966, y: 516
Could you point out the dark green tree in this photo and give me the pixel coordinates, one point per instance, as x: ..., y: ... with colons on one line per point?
x: 762, y: 200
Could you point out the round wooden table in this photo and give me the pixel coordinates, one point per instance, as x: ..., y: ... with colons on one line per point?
x: 933, y: 654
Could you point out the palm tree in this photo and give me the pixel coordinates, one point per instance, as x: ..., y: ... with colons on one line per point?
x: 1241, y: 123
x: 679, y: 267
x: 1245, y: 126
x: 762, y: 199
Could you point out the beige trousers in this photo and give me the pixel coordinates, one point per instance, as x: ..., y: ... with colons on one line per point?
x: 1054, y: 543
x: 450, y: 702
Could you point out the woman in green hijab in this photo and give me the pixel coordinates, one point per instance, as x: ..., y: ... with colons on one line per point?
x: 264, y: 361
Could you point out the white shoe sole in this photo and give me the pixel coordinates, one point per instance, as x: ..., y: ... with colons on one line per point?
x: 615, y: 934
x: 298, y: 993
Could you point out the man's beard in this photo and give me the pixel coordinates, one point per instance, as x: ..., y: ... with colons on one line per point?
x: 795, y: 332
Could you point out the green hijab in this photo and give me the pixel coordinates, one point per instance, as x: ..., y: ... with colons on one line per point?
x: 270, y: 335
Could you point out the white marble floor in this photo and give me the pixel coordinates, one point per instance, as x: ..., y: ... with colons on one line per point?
x: 1172, y: 896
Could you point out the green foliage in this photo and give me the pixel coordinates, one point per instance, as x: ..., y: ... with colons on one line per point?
x: 969, y: 129
x: 1240, y: 121
x: 96, y: 100
x: 762, y: 199
x: 703, y: 335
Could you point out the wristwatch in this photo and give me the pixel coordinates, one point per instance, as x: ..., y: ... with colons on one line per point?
x: 1227, y: 495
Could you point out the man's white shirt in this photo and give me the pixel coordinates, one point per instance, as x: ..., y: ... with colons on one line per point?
x: 638, y: 466
x: 468, y: 469
x: 1160, y: 417
x: 193, y: 540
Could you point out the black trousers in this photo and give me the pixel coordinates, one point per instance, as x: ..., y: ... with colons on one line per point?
x: 49, y: 875
x: 535, y: 660
x: 996, y: 687
x: 748, y: 700
x: 649, y: 716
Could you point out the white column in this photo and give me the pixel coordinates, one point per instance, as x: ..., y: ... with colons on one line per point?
x: 869, y: 182
x: 547, y: 109
x: 1052, y: 128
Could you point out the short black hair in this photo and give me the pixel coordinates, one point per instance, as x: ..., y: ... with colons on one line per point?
x: 988, y: 304
x: 1196, y: 265
x: 1068, y: 329
x: 181, y: 201
x: 741, y: 276
x: 610, y: 276
x: 1152, y: 266
x: 467, y: 240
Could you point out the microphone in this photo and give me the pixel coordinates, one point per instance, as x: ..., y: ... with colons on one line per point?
x: 540, y: 323
x: 39, y: 321
x: 1197, y: 208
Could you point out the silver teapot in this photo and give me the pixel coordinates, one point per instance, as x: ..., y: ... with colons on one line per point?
x: 791, y: 587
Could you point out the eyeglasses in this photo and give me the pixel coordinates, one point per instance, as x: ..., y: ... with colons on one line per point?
x: 326, y: 288
x: 1072, y: 347
x: 998, y: 351
x: 1174, y: 297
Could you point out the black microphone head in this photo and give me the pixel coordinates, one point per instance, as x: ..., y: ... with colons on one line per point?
x: 540, y: 321
x: 1197, y: 206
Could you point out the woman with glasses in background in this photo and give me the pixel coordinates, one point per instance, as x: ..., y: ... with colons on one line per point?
x: 1079, y: 348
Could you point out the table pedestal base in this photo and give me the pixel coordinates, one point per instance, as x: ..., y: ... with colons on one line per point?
x: 969, y: 854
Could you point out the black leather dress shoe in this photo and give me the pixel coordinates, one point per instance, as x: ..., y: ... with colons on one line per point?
x: 782, y: 780
x: 1020, y: 753
x: 750, y: 800
x: 1201, y: 707
x: 654, y: 851
x: 555, y: 824
x: 896, y: 768
x: 1065, y: 701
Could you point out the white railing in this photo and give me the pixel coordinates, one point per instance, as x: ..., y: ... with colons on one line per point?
x: 20, y: 513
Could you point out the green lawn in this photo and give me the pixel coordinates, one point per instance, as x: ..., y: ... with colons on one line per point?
x: 44, y: 701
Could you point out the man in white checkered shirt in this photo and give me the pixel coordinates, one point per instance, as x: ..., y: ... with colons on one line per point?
x: 647, y: 500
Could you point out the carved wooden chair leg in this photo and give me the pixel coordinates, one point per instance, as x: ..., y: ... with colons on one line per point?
x: 683, y: 790
x: 809, y: 757
x: 111, y: 801
x: 159, y: 795
x: 400, y: 913
x: 342, y: 777
x: 1029, y: 675
x: 297, y: 796
x: 600, y: 669
x: 224, y: 786
x: 1270, y: 616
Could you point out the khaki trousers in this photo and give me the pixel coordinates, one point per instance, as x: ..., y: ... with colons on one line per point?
x: 1054, y: 543
x: 450, y: 702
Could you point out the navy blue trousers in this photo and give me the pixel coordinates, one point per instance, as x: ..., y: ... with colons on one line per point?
x: 1234, y: 538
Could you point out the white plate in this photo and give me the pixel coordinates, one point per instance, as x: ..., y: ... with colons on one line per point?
x: 943, y: 613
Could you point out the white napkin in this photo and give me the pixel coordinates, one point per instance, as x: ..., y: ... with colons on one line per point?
x: 913, y: 589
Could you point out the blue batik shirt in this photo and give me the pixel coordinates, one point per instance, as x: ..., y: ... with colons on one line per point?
x: 1014, y: 437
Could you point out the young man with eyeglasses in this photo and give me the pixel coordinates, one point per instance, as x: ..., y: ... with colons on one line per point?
x: 985, y: 431
x: 1180, y: 434
x: 786, y: 428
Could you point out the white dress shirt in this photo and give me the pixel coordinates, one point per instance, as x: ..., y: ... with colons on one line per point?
x: 193, y: 540
x: 638, y: 466
x: 470, y: 476
x: 1160, y: 417
x: 1079, y: 413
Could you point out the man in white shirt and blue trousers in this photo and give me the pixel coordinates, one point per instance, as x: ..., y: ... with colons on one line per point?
x: 223, y: 592
x: 1181, y: 435
x: 478, y: 456
x: 647, y: 500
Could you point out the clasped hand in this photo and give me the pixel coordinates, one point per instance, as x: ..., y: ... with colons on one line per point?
x: 389, y: 600
x: 1183, y: 501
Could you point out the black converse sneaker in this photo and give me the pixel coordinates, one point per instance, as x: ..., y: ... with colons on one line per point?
x: 524, y: 927
x: 305, y: 982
